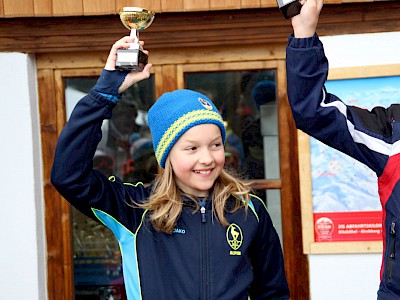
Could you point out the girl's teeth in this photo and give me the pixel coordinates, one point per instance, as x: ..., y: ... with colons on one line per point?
x: 203, y: 172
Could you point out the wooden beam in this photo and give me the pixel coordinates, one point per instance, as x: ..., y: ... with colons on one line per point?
x: 184, y: 30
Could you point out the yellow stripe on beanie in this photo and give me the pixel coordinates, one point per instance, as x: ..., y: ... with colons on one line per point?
x: 181, y: 125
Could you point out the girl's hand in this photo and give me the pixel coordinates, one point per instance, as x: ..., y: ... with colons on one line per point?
x: 305, y: 23
x: 132, y: 77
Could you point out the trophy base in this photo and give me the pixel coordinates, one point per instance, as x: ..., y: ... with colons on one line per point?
x: 290, y: 9
x: 131, y: 59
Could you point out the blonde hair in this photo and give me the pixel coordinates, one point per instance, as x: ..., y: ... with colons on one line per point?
x: 165, y: 202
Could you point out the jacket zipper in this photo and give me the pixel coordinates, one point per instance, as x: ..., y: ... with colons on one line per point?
x: 203, y: 214
x: 392, y: 253
x: 204, y: 251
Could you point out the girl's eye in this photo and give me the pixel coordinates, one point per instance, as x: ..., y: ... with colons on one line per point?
x: 191, y: 148
x: 216, y: 145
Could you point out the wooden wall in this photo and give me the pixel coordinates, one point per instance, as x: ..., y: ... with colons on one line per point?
x: 58, y: 8
x: 175, y: 31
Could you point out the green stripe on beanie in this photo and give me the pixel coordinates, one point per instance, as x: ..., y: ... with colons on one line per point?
x: 176, y: 112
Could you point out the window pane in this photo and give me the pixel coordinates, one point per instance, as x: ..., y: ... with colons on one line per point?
x: 126, y: 151
x: 247, y: 101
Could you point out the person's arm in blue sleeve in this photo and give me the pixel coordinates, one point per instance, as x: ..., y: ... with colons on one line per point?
x: 357, y: 132
x: 307, y: 68
x: 72, y: 172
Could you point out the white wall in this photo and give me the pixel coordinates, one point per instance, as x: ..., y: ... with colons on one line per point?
x: 352, y: 276
x: 22, y: 252
x: 354, y: 50
x: 344, y: 276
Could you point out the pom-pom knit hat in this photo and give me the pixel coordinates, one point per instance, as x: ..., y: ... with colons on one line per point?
x: 176, y: 112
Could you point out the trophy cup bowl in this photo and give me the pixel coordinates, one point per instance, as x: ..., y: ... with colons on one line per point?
x: 135, y: 19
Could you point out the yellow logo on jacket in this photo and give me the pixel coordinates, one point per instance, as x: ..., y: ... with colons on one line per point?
x: 234, y: 237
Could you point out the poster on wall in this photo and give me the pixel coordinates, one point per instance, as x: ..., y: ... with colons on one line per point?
x: 345, y: 197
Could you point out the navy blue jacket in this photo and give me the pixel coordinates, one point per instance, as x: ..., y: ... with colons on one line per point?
x: 201, y: 259
x: 371, y: 137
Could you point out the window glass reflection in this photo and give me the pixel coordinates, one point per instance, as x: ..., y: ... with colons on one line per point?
x: 247, y: 101
x: 126, y: 151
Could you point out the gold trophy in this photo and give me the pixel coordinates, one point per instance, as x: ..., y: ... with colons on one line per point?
x: 135, y: 19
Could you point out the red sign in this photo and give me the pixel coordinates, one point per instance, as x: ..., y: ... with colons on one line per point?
x: 348, y: 226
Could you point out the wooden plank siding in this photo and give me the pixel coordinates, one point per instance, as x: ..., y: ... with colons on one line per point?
x: 68, y: 8
x: 18, y: 8
x: 56, y: 8
x: 268, y: 3
x: 43, y: 8
x: 98, y: 7
x: 226, y: 4
x: 252, y: 4
x: 171, y: 5
x: 180, y: 30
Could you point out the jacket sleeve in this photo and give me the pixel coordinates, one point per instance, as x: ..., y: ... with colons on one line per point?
x: 266, y: 257
x: 362, y: 134
x: 72, y: 172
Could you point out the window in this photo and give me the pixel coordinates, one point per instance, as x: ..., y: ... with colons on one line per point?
x: 126, y: 151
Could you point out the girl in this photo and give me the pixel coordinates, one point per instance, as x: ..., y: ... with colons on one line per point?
x: 196, y: 233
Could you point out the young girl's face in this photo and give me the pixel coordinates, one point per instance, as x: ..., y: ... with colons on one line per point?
x: 197, y: 159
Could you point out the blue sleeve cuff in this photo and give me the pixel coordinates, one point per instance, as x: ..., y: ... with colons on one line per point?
x: 303, y: 42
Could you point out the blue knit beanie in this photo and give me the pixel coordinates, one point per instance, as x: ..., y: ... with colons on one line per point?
x: 176, y: 112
